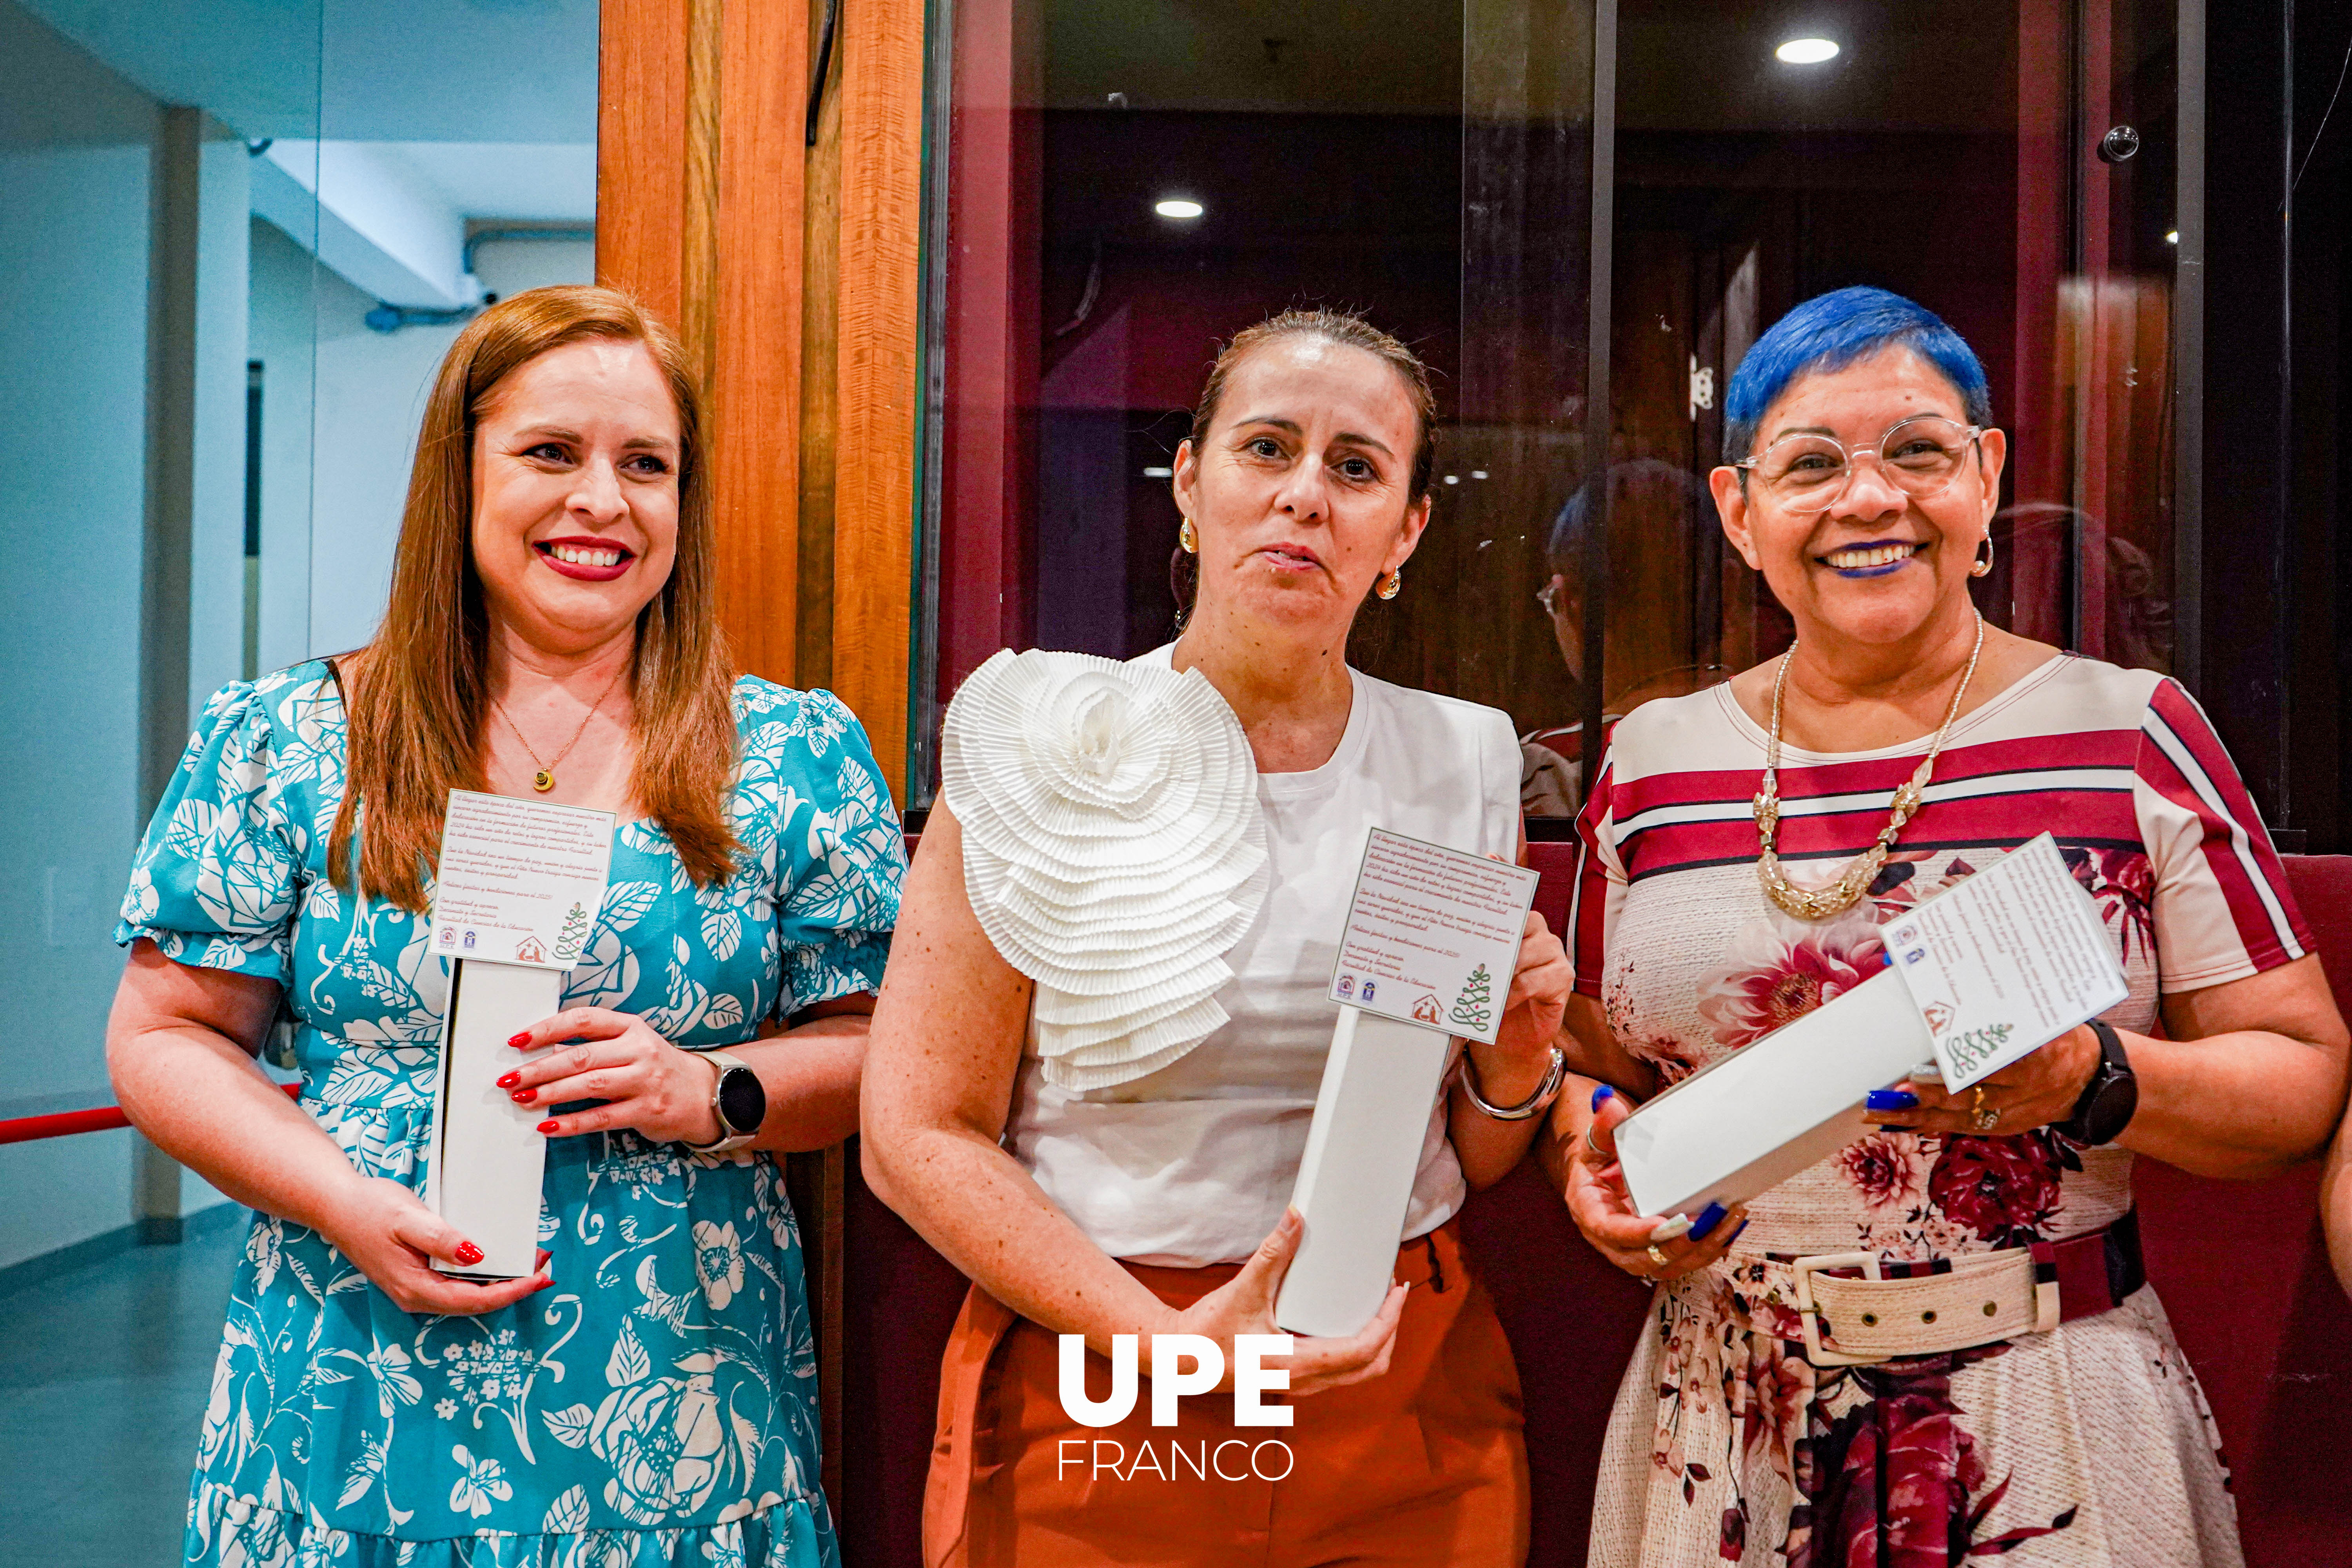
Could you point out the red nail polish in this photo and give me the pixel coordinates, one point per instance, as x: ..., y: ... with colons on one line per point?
x: 469, y: 1253
x: 522, y: 1039
x: 525, y: 1096
x: 548, y: 1125
x: 543, y: 1284
x: 511, y: 1079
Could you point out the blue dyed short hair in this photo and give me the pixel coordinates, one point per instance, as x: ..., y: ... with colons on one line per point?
x: 1830, y: 331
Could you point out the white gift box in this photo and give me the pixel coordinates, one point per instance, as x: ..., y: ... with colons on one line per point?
x: 487, y: 1154
x: 1354, y: 1181
x: 1772, y: 1108
x: 1990, y: 970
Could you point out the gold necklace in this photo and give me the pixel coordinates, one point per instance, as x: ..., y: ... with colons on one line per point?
x: 544, y: 779
x: 1840, y: 895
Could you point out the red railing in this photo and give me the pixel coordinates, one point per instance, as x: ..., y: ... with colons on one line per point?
x: 96, y: 1119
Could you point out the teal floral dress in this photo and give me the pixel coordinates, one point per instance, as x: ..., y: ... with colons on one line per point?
x: 659, y: 1403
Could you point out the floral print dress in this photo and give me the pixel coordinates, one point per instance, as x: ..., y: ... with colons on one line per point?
x: 2087, y: 1446
x: 656, y: 1406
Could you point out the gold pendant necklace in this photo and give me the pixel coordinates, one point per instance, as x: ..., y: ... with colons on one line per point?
x: 1840, y: 895
x: 544, y: 779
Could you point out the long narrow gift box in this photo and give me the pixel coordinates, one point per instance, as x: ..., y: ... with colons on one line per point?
x: 1355, y: 1181
x: 488, y: 1154
x: 1772, y: 1108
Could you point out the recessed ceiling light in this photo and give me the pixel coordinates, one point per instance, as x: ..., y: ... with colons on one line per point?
x: 1806, y: 51
x: 1477, y: 473
x: 1177, y: 206
x: 1454, y: 478
x: 1159, y: 473
x: 2173, y: 236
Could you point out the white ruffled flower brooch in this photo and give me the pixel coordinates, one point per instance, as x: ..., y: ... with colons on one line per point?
x: 1113, y: 850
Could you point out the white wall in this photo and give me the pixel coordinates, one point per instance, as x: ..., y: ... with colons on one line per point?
x: 75, y: 151
x: 370, y: 397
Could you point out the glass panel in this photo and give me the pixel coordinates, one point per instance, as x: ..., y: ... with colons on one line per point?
x: 1954, y: 157
x: 1500, y: 615
x: 1951, y: 155
x: 457, y: 163
x: 1323, y: 150
x: 239, y: 237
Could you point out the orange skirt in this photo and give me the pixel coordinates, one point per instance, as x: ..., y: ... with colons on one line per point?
x: 1423, y: 1465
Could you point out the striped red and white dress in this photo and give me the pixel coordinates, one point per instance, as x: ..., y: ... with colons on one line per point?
x: 2088, y: 1446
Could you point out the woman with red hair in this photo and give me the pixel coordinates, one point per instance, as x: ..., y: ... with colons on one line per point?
x: 648, y: 1395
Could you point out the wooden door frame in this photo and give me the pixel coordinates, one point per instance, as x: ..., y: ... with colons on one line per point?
x: 791, y: 272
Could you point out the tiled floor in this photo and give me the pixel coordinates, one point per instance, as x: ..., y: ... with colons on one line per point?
x: 103, y: 1376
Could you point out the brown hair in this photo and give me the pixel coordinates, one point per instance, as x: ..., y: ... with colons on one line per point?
x: 416, y: 714
x: 1337, y: 327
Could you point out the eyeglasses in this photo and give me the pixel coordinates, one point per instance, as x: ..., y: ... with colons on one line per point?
x: 1919, y: 455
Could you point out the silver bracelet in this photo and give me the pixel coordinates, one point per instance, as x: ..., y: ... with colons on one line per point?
x: 1533, y: 1105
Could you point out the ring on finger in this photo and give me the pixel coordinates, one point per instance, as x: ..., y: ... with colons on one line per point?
x: 1658, y: 1257
x: 1985, y: 1117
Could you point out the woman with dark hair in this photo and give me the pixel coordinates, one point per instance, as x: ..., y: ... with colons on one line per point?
x: 1132, y: 1180
x: 648, y: 1395
x: 2010, y: 1386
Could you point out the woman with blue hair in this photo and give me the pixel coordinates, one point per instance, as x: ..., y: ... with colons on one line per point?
x: 1742, y: 850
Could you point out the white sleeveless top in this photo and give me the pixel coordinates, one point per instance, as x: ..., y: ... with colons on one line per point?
x: 1193, y: 1165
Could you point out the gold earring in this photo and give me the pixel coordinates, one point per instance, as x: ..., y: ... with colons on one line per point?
x: 1982, y: 565
x: 1391, y: 586
x: 1189, y: 537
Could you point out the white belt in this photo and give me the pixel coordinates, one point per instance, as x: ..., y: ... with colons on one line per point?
x: 1985, y: 1297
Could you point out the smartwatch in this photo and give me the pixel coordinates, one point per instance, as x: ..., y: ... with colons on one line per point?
x: 2109, y: 1099
x: 737, y: 1101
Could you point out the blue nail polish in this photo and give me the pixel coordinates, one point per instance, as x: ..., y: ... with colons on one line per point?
x: 1602, y: 1094
x: 1709, y: 1219
x: 1735, y: 1235
x: 1891, y: 1099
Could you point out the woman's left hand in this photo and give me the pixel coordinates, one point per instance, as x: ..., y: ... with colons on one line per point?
x: 2032, y: 1091
x: 648, y: 1084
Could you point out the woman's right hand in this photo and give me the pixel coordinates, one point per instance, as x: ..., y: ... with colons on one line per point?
x: 1604, y: 1210
x: 386, y: 1229
x: 1245, y: 1305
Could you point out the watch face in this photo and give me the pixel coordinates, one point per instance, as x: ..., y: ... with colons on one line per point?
x: 742, y: 1101
x: 2111, y: 1109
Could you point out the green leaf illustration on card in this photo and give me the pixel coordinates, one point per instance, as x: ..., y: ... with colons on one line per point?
x: 1473, y: 1009
x: 574, y: 932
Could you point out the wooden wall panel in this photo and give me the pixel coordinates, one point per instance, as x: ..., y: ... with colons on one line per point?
x: 705, y: 212
x: 821, y: 297
x: 881, y: 66
x: 756, y: 340
x: 641, y: 91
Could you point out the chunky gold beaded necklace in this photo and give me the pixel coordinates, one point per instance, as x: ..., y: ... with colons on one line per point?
x: 1842, y: 894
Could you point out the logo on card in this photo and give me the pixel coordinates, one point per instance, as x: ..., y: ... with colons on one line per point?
x: 469, y: 940
x: 1938, y: 1016
x: 1367, y: 990
x: 448, y: 937
x: 528, y: 950
x: 1425, y: 1009
x: 1915, y: 955
x: 1346, y: 985
x: 1904, y: 936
